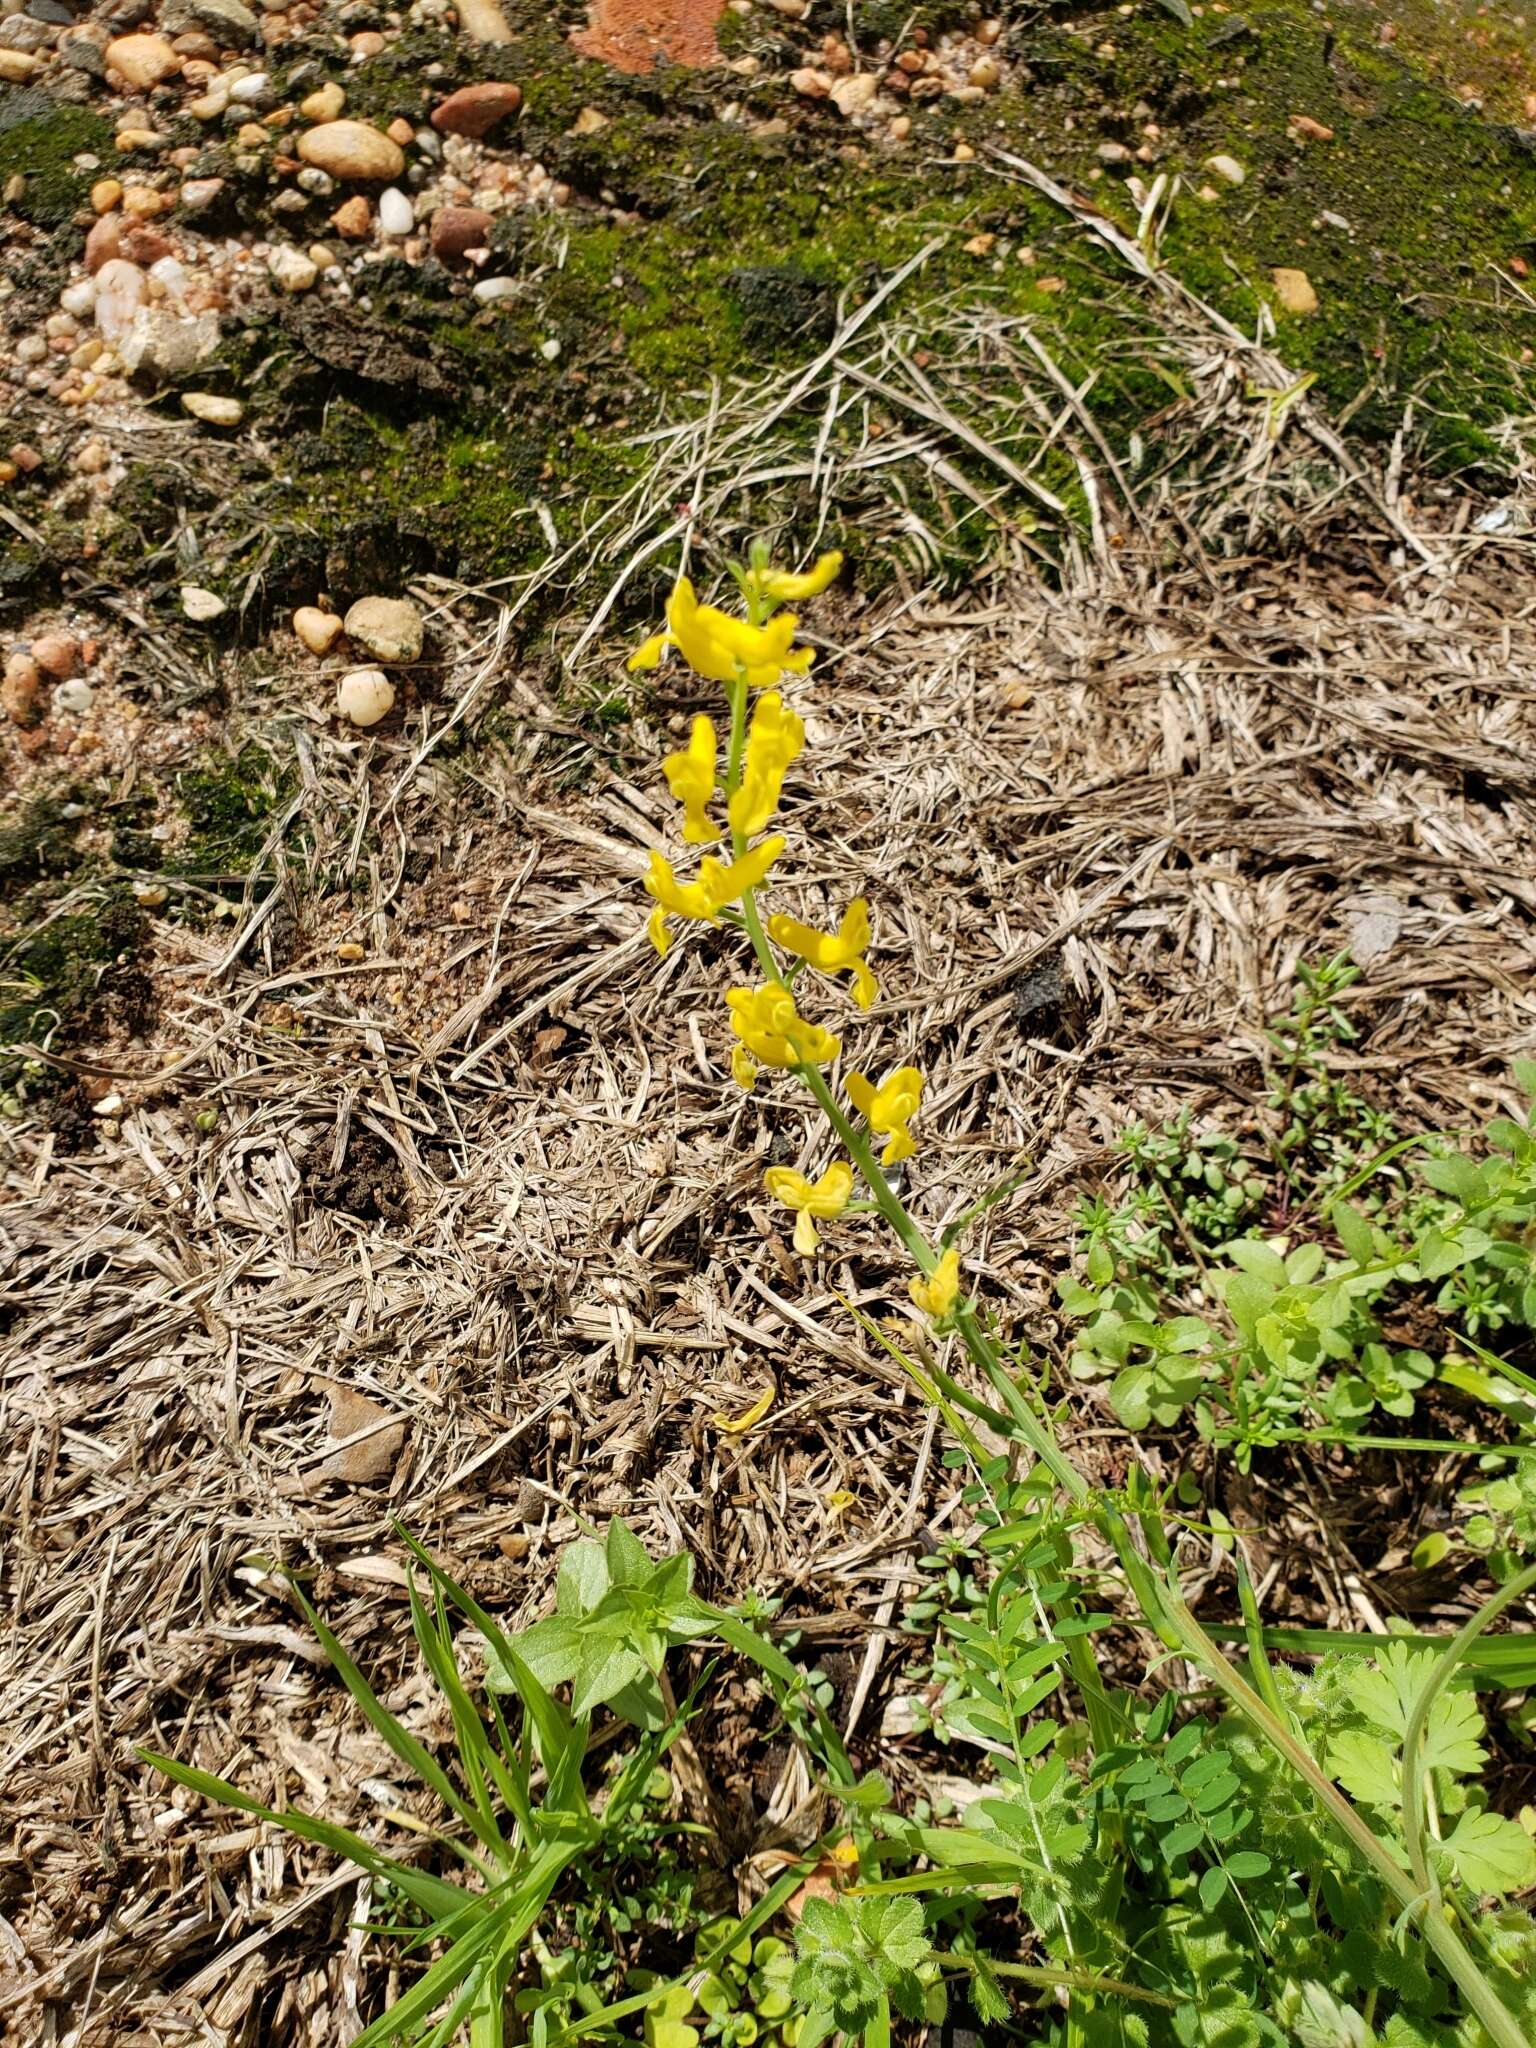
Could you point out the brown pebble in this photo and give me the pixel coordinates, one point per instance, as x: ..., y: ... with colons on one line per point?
x: 22, y: 690
x: 57, y: 653
x: 474, y: 110
x: 352, y: 218
x: 144, y: 246
x: 103, y: 242
x: 457, y: 228
x: 401, y: 131
x: 26, y: 459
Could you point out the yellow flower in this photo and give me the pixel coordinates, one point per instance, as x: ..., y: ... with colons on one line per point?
x: 719, y: 647
x: 774, y: 738
x: 889, y: 1108
x: 827, y: 1197
x: 704, y: 899
x: 937, y: 1294
x: 772, y: 1031
x: 831, y: 951
x: 691, y: 777
x: 779, y: 586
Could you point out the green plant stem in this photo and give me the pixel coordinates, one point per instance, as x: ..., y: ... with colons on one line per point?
x: 1437, y: 1679
x: 1072, y: 1980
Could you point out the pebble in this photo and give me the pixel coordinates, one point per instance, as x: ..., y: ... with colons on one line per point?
x: 1294, y: 290
x: 1305, y: 129
x: 80, y: 298
x: 109, y: 1105
x: 474, y: 110
x: 364, y: 696
x: 73, y: 698
x: 151, y: 895
x: 209, y: 406
x: 143, y: 60
x: 198, y: 194
x: 161, y: 340
x: 318, y: 630
x: 290, y: 270
x: 201, y: 605
x: 232, y: 22
x: 17, y: 66
x: 319, y: 184
x: 457, y: 228
x: 104, y: 241
x: 351, y: 149
x: 388, y: 628
x: 490, y: 289
x: 251, y: 88
x: 811, y: 85
x: 105, y: 194
x: 353, y: 218
x: 120, y: 292
x: 1227, y: 168
x: 323, y: 104
x: 397, y: 216
x: 57, y: 654
x: 22, y: 690
x: 853, y: 95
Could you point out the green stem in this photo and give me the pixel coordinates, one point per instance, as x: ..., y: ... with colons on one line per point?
x: 1072, y: 1980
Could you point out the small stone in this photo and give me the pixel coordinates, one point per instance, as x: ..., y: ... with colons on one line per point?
x: 151, y: 895
x: 457, y: 228
x: 198, y: 194
x: 161, y: 341
x: 550, y: 350
x: 364, y: 696
x: 108, y: 1105
x: 105, y: 194
x: 811, y: 85
x: 853, y: 95
x: 290, y: 270
x: 120, y: 292
x: 590, y: 121
x: 397, y: 216
x: 17, y: 66
x: 985, y: 72
x: 211, y: 106
x: 103, y: 242
x: 21, y: 692
x: 209, y: 406
x: 130, y: 139
x: 248, y: 90
x: 474, y: 110
x: 232, y: 23
x: 353, y: 218
x: 1293, y: 288
x: 144, y: 61
x: 1113, y: 153
x: 1305, y: 129
x: 366, y: 43
x: 79, y: 299
x: 1227, y: 168
x: 388, y: 628
x: 349, y: 949
x: 351, y: 149
x: 401, y: 131
x: 318, y: 630
x: 317, y: 183
x: 323, y: 104
x: 489, y: 289
x: 322, y: 257
x: 57, y: 654
x: 74, y: 698
x: 201, y: 605
x: 963, y: 153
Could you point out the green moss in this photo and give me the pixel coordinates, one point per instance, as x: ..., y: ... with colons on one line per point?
x: 228, y: 806
x: 40, y: 137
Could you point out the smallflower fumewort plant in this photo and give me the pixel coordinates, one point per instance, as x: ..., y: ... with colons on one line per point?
x: 802, y: 987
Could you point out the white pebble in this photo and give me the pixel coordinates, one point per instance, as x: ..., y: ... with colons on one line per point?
x: 73, y: 697
x: 396, y: 214
x: 365, y: 695
x: 247, y: 89
x: 491, y: 288
x: 289, y: 269
x: 79, y: 298
x: 201, y: 605
x: 549, y: 350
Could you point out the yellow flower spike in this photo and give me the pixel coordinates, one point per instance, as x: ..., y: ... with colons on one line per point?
x: 691, y: 776
x: 780, y: 586
x: 937, y: 1293
x: 738, y: 1425
x: 774, y: 738
x: 833, y: 951
x: 827, y: 1197
x: 721, y: 648
x: 772, y: 1030
x: 889, y: 1108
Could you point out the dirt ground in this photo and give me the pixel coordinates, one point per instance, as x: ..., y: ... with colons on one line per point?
x: 380, y: 1174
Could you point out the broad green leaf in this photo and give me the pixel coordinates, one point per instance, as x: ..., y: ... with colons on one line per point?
x: 1260, y: 1261
x: 1491, y: 1855
x: 1355, y: 1233
x: 1366, y: 1767
x: 582, y: 1579
x: 1213, y: 1886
